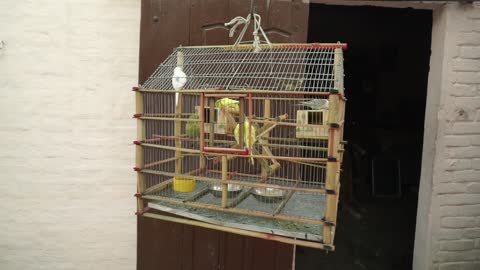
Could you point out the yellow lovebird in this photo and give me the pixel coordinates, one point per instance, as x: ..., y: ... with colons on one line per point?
x: 246, y: 127
x: 230, y: 105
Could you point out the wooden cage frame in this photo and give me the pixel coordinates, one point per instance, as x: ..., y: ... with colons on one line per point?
x: 333, y: 163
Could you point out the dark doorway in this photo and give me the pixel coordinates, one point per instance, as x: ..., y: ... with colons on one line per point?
x: 386, y: 72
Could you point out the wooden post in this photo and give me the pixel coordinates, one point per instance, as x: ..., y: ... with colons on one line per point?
x: 178, y: 123
x: 211, y: 104
x: 341, y: 129
x: 224, y: 178
x: 241, y: 123
x: 202, y: 130
x: 139, y: 151
x: 332, y: 170
x: 250, y: 120
x: 338, y: 72
x: 331, y: 202
x: 266, y: 115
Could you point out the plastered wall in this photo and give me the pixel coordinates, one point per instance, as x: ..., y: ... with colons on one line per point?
x: 66, y: 182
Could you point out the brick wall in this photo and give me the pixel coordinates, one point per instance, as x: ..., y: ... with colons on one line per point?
x: 65, y: 134
x: 455, y: 208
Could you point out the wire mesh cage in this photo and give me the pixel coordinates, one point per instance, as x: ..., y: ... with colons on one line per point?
x: 244, y: 140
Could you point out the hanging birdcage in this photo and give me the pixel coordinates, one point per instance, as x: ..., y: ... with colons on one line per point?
x: 251, y: 143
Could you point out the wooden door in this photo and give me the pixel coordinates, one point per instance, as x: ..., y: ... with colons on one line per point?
x: 166, y: 24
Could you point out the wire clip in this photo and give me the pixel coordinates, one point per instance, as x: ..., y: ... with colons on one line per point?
x: 332, y: 159
x: 330, y: 192
x: 327, y: 223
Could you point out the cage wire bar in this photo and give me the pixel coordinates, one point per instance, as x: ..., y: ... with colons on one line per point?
x: 254, y: 145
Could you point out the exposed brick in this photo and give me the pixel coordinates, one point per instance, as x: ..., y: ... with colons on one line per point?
x: 468, y: 25
x: 466, y: 65
x: 473, y: 13
x: 464, y: 90
x: 470, y: 52
x: 473, y: 188
x: 460, y: 266
x: 457, y: 222
x: 461, y: 113
x: 465, y: 128
x: 469, y: 38
x: 460, y: 210
x: 449, y: 234
x: 476, y: 164
x: 471, y: 233
x: 466, y: 176
x: 464, y: 152
x: 458, y: 164
x: 458, y: 256
x: 475, y: 140
x: 467, y: 77
x: 476, y: 25
x: 457, y: 245
x: 445, y: 177
x: 468, y: 102
x: 459, y: 199
x: 451, y: 188
x: 452, y: 140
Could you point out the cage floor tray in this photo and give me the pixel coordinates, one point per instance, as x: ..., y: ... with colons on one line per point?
x: 294, y: 229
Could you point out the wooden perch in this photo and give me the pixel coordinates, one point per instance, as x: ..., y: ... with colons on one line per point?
x: 266, y: 150
x: 269, y: 126
x: 263, y: 162
x: 230, y: 120
x: 159, y: 162
x: 158, y: 187
x: 286, y: 199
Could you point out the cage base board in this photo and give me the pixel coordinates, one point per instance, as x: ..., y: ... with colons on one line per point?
x: 235, y: 221
x: 265, y: 236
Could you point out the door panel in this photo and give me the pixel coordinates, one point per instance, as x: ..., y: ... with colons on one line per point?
x: 206, y: 22
x: 166, y: 24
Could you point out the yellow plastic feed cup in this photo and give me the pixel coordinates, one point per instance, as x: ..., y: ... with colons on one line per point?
x: 183, y: 184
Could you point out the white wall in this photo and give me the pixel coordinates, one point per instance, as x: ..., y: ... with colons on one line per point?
x: 66, y: 183
x: 448, y: 220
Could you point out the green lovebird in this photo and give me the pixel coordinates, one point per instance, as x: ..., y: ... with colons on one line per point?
x: 192, y: 128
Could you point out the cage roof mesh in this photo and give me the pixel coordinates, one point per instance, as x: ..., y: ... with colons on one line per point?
x: 292, y: 67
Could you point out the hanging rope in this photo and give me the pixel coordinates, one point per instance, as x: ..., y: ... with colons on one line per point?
x: 294, y: 254
x: 237, y: 21
x: 257, y: 27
